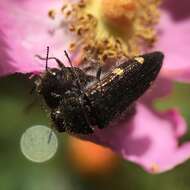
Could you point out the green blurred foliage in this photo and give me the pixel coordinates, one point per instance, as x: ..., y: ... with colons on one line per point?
x: 17, y: 173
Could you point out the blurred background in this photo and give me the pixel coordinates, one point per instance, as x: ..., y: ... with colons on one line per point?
x: 73, y: 168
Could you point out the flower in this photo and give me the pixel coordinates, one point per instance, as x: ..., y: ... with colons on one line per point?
x: 150, y: 139
x: 91, y: 159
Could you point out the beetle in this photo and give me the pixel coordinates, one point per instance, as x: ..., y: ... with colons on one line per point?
x: 79, y: 103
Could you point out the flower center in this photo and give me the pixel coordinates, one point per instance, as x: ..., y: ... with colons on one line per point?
x: 111, y: 28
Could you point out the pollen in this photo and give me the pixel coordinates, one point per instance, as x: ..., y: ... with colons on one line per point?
x: 111, y: 29
x: 119, y: 12
x: 52, y: 14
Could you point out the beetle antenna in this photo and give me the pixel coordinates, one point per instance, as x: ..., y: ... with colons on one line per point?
x: 47, y: 57
x: 73, y: 70
x: 59, y: 63
x: 67, y: 56
x: 98, y: 75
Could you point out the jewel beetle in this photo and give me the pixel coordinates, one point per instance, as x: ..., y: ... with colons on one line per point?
x: 79, y: 103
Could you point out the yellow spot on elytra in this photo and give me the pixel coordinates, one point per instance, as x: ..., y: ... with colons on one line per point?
x: 118, y: 71
x: 139, y: 60
x: 155, y: 168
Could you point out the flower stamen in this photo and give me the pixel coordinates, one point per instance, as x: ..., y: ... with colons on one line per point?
x: 111, y: 28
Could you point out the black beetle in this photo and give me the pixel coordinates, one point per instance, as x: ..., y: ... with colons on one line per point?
x: 79, y: 102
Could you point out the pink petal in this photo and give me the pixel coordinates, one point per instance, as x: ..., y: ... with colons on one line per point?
x: 149, y: 139
x: 174, y: 39
x: 26, y: 30
x: 160, y: 88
